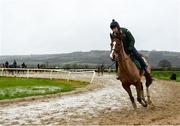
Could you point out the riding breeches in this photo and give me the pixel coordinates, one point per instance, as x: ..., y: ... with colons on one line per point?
x: 138, y: 57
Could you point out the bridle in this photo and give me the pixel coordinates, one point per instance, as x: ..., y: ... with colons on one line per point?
x: 117, y: 59
x: 119, y: 56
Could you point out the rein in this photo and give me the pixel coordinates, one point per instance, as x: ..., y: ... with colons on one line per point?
x: 116, y: 60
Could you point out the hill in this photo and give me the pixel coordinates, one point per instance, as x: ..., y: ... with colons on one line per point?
x: 91, y: 58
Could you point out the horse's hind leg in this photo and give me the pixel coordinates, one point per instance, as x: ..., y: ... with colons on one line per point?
x: 148, y: 83
x: 139, y: 95
x: 142, y: 94
x: 148, y: 96
x: 127, y: 88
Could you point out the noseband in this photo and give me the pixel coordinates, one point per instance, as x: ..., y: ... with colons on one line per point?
x: 119, y: 58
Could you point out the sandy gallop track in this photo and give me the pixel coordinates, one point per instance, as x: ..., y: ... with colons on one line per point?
x: 107, y: 105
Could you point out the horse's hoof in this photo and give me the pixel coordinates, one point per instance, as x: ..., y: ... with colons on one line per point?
x: 149, y: 102
x: 134, y: 106
x: 145, y: 105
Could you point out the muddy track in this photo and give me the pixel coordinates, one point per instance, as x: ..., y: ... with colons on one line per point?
x: 106, y: 105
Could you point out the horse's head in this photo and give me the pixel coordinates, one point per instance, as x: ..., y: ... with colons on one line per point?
x: 116, y: 46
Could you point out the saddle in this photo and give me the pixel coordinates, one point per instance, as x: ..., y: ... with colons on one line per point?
x: 136, y: 62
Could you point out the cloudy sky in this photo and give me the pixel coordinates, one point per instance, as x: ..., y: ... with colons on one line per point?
x: 62, y: 26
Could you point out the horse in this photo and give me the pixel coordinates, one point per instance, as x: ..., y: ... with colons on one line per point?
x: 128, y: 72
x: 100, y: 69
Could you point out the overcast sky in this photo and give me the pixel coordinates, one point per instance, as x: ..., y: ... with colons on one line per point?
x: 62, y: 26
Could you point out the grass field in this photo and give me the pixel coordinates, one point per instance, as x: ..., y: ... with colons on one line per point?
x: 11, y: 87
x: 165, y: 75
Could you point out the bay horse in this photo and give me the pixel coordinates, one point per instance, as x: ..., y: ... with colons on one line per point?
x: 128, y: 73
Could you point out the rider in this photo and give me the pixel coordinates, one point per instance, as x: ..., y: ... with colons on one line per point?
x: 128, y: 43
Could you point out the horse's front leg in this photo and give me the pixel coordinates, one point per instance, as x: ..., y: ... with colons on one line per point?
x: 139, y: 95
x: 127, y: 88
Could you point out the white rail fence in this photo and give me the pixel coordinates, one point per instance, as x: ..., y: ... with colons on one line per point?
x: 72, y: 74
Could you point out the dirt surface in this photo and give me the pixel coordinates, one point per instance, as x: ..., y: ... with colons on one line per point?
x: 109, y: 104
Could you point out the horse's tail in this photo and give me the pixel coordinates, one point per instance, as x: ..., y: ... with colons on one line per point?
x: 148, y: 79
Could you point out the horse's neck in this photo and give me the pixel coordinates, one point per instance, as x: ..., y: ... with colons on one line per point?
x: 124, y: 61
x: 123, y: 53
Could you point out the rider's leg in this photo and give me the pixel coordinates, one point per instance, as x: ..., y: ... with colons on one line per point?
x: 139, y: 58
x: 143, y: 65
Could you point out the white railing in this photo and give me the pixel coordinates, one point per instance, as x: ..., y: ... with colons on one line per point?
x: 71, y: 74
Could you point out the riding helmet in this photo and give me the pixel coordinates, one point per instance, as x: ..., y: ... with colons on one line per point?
x: 114, y: 24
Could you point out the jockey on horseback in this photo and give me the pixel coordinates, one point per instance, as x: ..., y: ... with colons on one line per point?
x: 128, y: 43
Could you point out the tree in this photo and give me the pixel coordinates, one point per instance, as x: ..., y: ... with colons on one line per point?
x: 6, y: 64
x: 86, y: 66
x: 14, y: 64
x: 74, y: 66
x: 23, y: 65
x: 67, y: 66
x: 164, y: 64
x: 38, y: 66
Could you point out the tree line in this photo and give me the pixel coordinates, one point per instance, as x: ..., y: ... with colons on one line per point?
x: 162, y: 64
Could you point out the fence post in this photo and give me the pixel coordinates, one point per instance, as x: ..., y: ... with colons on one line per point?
x: 93, y: 77
x: 51, y: 74
x: 2, y: 71
x: 69, y: 74
x: 27, y: 73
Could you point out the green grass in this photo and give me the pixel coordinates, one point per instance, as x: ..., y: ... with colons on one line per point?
x: 165, y: 75
x: 12, y: 87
